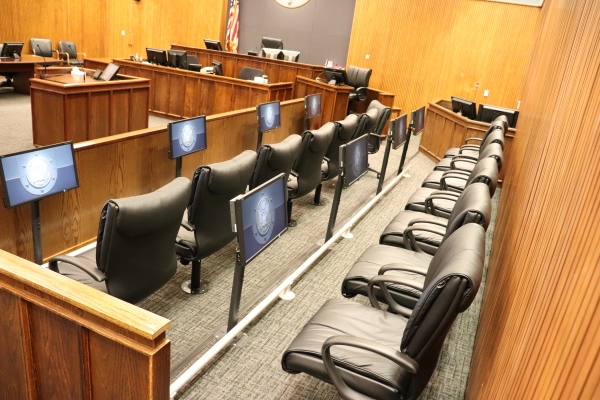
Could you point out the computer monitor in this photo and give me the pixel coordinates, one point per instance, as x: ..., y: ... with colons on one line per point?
x: 178, y: 59
x: 418, y: 120
x: 335, y: 76
x: 34, y: 174
x: 275, y: 54
x: 268, y: 116
x: 312, y: 104
x: 110, y: 72
x: 355, y: 159
x: 156, y: 56
x: 187, y: 136
x: 272, y: 43
x: 290, y: 55
x: 489, y: 113
x: 260, y: 217
x: 217, y: 68
x: 398, y: 131
x: 213, y: 44
x: 9, y: 49
x: 464, y: 107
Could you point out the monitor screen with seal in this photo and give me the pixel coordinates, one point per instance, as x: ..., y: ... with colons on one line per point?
x: 34, y: 174
x: 355, y: 156
x: 312, y: 103
x: 418, y: 120
x: 187, y: 136
x: 268, y: 115
x: 398, y: 129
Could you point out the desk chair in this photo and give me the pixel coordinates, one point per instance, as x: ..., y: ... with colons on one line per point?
x: 378, y: 116
x: 135, y: 255
x: 271, y: 43
x: 249, y: 74
x: 43, y: 48
x: 358, y: 78
x: 274, y: 159
x: 369, y: 353
x: 194, y: 63
x: 69, y: 53
x: 206, y: 226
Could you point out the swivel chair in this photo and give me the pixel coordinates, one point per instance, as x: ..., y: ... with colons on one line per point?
x: 135, y: 252
x: 69, y: 53
x: 249, y: 74
x: 378, y: 116
x: 194, y: 63
x: 358, y: 78
x: 271, y: 43
x: 306, y: 173
x: 500, y: 123
x: 369, y: 353
x: 43, y: 48
x: 346, y: 130
x: 274, y: 159
x: 206, y: 226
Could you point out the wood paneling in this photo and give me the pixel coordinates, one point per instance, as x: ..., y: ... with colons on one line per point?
x: 334, y: 99
x: 63, y: 340
x: 429, y: 49
x: 539, y: 331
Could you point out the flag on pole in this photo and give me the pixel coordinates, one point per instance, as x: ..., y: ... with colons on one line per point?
x: 233, y: 26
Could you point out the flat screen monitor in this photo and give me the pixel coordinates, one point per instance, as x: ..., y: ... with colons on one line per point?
x: 312, y: 104
x: 34, y: 174
x: 398, y: 131
x: 275, y: 54
x: 355, y: 156
x: 261, y: 217
x: 187, y: 136
x: 489, y: 113
x: 464, y: 107
x: 418, y: 120
x: 156, y: 56
x: 268, y: 115
x: 272, y: 43
x: 213, y: 44
x: 290, y: 55
x: 178, y: 59
x: 217, y: 68
x: 9, y: 49
x: 110, y: 72
x: 335, y: 76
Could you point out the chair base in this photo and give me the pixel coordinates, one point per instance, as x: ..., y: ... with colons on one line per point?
x: 292, y: 223
x: 374, y: 170
x: 187, y: 287
x: 319, y: 204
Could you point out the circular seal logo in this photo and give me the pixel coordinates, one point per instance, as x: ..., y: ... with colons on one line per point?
x: 269, y: 117
x: 39, y: 174
x: 187, y: 138
x: 357, y: 160
x: 264, y: 220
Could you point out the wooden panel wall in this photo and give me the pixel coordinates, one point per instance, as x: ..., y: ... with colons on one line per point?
x: 429, y: 49
x: 539, y: 331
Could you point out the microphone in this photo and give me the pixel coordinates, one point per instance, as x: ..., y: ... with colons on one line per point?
x: 84, y: 74
x: 42, y: 54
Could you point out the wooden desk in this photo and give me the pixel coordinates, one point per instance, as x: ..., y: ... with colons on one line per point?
x: 183, y: 94
x: 445, y: 129
x: 22, y: 70
x: 63, y: 108
x: 334, y: 99
x: 276, y: 70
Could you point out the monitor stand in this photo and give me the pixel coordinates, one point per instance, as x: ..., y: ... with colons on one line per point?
x: 259, y: 141
x: 335, y: 205
x: 386, y: 156
x: 178, y: 167
x: 37, y: 232
x: 16, y: 56
x: 411, y: 128
x: 236, y: 290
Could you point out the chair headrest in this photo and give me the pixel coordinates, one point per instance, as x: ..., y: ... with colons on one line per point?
x: 493, y: 150
x: 358, y: 77
x: 321, y: 138
x: 281, y: 153
x: 347, y: 127
x: 227, y: 176
x: 378, y: 116
x: 486, y: 171
x: 496, y: 136
x: 45, y: 45
x: 474, y: 205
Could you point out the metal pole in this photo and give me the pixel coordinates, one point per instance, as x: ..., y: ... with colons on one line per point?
x: 236, y: 291
x: 37, y: 232
x: 335, y: 205
x: 405, y: 150
x: 386, y: 156
x: 178, y: 163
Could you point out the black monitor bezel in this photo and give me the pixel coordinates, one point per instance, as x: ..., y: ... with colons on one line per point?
x: 208, y: 43
x: 512, y: 119
x: 468, y: 103
x: 111, y: 77
x: 163, y: 54
x: 217, y: 63
x: 178, y: 55
x: 258, y: 115
x: 412, y: 119
x: 170, y: 134
x: 240, y: 224
x: 7, y: 45
x: 3, y: 178
x: 343, y: 150
x: 393, y: 124
x: 306, y: 101
x: 336, y: 72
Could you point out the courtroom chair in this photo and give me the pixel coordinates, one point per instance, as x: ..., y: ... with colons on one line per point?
x: 249, y: 74
x: 456, y: 180
x: 499, y: 124
x: 194, y: 63
x: 358, y: 78
x: 206, y: 226
x: 370, y: 353
x: 43, y: 48
x: 346, y: 131
x: 271, y: 43
x: 466, y: 162
x: 485, y: 171
x: 69, y: 53
x: 274, y: 159
x: 6, y: 75
x: 378, y: 116
x: 306, y: 173
x: 135, y: 252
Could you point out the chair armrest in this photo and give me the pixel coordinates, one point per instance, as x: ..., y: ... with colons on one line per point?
x: 430, y: 207
x: 380, y: 281
x: 361, y: 93
x: 427, y: 221
x: 57, y: 54
x: 84, y: 55
x: 402, y: 267
x: 476, y: 139
x: 188, y: 226
x: 453, y: 174
x: 346, y: 393
x: 461, y: 158
x: 83, y: 265
x: 452, y: 171
x: 326, y: 159
x: 68, y: 58
x: 376, y: 135
x: 446, y: 193
x: 294, y: 173
x: 410, y: 242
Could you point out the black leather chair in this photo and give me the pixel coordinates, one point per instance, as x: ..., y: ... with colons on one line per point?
x: 43, y: 48
x: 346, y: 130
x: 271, y: 43
x: 358, y: 78
x: 194, y: 63
x: 378, y: 116
x: 466, y: 162
x: 500, y: 123
x: 8, y: 76
x: 249, y: 74
x: 206, y: 225
x: 274, y: 159
x: 306, y: 173
x: 442, y: 203
x: 135, y: 252
x: 69, y: 53
x: 369, y: 353
x: 456, y: 180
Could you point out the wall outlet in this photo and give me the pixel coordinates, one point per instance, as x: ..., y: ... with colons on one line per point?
x: 486, y: 93
x: 122, y: 33
x: 367, y: 56
x: 476, y: 85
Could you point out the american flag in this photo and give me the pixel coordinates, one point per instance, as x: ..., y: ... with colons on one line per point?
x: 233, y: 27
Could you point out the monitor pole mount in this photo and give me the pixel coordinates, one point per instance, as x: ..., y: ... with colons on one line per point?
x: 36, y: 229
